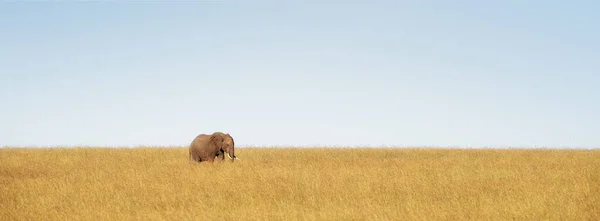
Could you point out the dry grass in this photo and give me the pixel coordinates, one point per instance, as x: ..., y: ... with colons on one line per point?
x: 300, y: 184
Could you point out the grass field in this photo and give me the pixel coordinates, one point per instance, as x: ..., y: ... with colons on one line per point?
x: 300, y: 184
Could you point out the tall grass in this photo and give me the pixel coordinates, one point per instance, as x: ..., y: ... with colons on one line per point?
x: 300, y: 184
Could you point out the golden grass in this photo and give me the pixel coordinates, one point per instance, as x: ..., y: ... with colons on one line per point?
x: 300, y: 184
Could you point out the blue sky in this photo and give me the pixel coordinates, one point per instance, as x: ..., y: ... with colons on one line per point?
x: 406, y: 73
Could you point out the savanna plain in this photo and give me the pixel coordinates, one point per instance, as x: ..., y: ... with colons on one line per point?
x: 158, y: 183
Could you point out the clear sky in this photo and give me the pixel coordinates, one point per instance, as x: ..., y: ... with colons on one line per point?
x: 406, y: 73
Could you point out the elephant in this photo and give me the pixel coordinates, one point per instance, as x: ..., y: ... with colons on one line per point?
x: 206, y: 147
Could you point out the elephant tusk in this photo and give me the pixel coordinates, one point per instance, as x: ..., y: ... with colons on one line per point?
x: 229, y: 156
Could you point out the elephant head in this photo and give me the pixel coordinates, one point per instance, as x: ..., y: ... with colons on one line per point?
x: 225, y: 144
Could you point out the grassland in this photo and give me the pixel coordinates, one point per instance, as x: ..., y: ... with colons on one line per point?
x: 300, y: 184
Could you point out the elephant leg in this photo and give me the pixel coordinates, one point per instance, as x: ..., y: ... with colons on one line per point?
x: 221, y: 156
x: 211, y: 159
x: 194, y: 157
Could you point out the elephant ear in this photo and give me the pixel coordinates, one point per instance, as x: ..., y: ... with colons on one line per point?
x: 216, y: 139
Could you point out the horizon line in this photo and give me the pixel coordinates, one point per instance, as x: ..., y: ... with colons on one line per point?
x: 280, y: 146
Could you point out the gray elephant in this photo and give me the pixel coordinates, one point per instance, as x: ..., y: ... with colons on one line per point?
x: 206, y: 147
